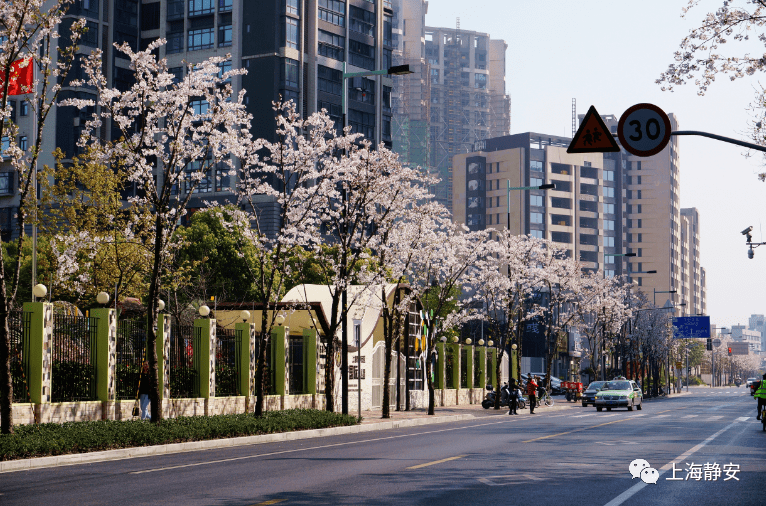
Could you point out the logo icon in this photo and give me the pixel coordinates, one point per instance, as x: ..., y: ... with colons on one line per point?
x: 637, y: 466
x: 650, y: 475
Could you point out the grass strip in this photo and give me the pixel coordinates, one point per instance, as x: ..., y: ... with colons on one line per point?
x: 42, y: 440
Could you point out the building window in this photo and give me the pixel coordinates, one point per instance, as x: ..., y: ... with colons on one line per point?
x: 609, y: 242
x: 608, y: 224
x: 608, y: 175
x: 362, y: 90
x: 23, y: 142
x: 329, y: 80
x: 387, y: 127
x: 536, y: 233
x: 480, y: 81
x: 291, y: 33
x: 225, y: 5
x: 333, y: 111
x: 23, y: 108
x: 362, y: 21
x: 200, y: 39
x: 331, y: 45
x: 535, y: 181
x: 608, y: 208
x: 536, y: 200
x: 290, y: 77
x: 386, y: 99
x: 199, y: 106
x: 291, y: 6
x: 361, y: 55
x: 6, y: 183
x: 175, y: 9
x: 201, y: 7
x: 224, y: 35
x: 175, y: 36
x: 536, y: 165
x: 362, y: 123
x: 435, y: 76
x: 608, y: 191
x: 333, y: 11
x: 535, y: 217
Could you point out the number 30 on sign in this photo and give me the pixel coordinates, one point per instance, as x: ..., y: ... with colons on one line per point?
x: 644, y: 130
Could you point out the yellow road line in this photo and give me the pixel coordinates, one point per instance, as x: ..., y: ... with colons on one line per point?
x: 436, y: 462
x: 270, y: 501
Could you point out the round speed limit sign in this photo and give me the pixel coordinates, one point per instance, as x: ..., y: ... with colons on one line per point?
x: 644, y: 130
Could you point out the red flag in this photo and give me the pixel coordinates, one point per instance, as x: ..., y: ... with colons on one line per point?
x: 22, y: 75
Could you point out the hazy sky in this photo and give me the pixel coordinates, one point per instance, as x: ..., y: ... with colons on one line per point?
x: 608, y: 54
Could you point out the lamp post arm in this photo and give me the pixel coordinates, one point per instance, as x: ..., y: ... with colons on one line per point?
x: 720, y: 138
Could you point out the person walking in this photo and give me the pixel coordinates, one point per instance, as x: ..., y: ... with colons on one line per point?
x: 760, y: 394
x: 531, y: 391
x: 143, y: 391
x: 512, y: 388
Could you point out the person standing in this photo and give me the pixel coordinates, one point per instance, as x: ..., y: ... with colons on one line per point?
x: 760, y: 394
x: 512, y: 390
x: 531, y: 392
x: 143, y: 391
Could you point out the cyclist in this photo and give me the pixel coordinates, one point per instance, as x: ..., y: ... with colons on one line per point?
x: 760, y: 394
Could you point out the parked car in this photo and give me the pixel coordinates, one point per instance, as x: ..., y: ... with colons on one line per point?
x: 555, y: 382
x: 619, y: 394
x: 589, y: 395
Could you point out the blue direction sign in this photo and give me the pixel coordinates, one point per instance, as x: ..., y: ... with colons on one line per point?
x: 685, y: 327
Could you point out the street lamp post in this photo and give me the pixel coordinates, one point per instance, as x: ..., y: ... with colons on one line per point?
x: 391, y: 71
x: 548, y: 186
x: 603, y: 325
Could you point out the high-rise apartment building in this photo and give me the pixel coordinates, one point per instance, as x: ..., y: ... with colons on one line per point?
x: 693, y: 290
x: 583, y: 214
x: 292, y: 49
x: 411, y: 100
x: 468, y: 99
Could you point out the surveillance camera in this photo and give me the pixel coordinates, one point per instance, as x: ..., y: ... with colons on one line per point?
x: 750, y: 253
x: 747, y: 230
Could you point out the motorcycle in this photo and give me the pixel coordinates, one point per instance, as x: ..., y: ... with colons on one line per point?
x: 505, y: 397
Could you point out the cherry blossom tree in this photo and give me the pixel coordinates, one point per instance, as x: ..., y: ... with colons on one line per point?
x: 27, y: 33
x: 728, y: 42
x: 172, y: 136
x: 365, y: 192
x: 284, y: 172
x: 394, y: 249
x: 450, y: 257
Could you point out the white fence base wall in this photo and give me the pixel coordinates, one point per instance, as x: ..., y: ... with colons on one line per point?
x: 25, y: 413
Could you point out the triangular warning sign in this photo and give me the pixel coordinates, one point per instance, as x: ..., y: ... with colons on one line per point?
x: 593, y: 136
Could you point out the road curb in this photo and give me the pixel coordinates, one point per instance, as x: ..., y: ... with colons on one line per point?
x: 147, y: 451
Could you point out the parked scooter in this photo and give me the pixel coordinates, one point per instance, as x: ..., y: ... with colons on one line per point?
x: 505, y: 397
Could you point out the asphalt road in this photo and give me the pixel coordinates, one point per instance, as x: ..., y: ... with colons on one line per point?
x: 569, y: 457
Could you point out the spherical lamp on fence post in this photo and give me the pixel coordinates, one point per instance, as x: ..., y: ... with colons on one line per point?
x: 39, y: 290
x: 102, y: 298
x: 280, y: 319
x: 490, y: 343
x: 245, y: 315
x: 204, y: 311
x: 443, y: 339
x: 468, y: 341
x: 160, y: 305
x: 481, y: 342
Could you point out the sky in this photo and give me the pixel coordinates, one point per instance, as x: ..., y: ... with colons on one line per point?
x: 609, y: 54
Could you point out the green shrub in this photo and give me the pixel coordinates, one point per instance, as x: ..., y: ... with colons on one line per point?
x: 80, y: 437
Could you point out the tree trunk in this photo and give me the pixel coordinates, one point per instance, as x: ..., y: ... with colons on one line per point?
x: 388, y: 345
x: 260, y: 377
x: 151, y: 332
x: 6, y: 383
x: 429, y: 378
x: 498, y: 368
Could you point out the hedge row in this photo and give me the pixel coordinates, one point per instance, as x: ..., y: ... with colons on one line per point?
x: 80, y: 437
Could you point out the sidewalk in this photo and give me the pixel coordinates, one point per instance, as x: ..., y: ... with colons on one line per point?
x: 371, y: 421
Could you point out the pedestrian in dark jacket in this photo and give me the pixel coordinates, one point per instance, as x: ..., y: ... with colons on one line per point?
x: 512, y: 387
x: 531, y: 392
